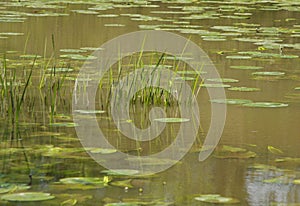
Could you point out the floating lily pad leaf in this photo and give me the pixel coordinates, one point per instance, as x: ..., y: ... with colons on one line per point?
x: 90, y: 111
x: 288, y: 159
x: 133, y: 202
x: 69, y: 202
x: 226, y: 148
x: 246, y: 67
x: 235, y: 155
x: 296, y: 181
x: 63, y: 124
x: 279, y: 180
x: 263, y: 167
x: 114, y: 25
x: 172, y: 120
x: 78, y: 57
x: 238, y: 57
x: 27, y: 197
x: 121, y: 172
x: 72, y: 50
x: 11, y: 34
x: 122, y: 183
x: 244, y: 89
x: 186, y: 72
x: 275, y: 150
x: 181, y: 58
x: 123, y: 204
x: 215, y: 85
x: 108, y: 15
x: 85, y: 12
x: 83, y: 180
x: 102, y: 151
x: 268, y: 73
x: 7, y: 187
x: 223, y: 80
x: 90, y: 48
x: 216, y: 199
x: 266, y: 104
x: 231, y: 101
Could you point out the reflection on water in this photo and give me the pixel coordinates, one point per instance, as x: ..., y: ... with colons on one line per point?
x: 261, y: 193
x: 260, y: 36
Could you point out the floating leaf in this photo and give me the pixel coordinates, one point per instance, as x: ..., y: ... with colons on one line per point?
x: 268, y: 73
x: 244, y: 89
x: 122, y: 183
x: 7, y: 187
x: 60, y: 69
x: 27, y: 197
x: 266, y: 104
x: 69, y: 202
x: 238, y: 57
x: 279, y: 180
x: 120, y: 172
x: 215, y: 85
x: 246, y: 67
x: 63, y: 124
x: 90, y: 111
x: 237, y: 155
x: 288, y: 159
x: 216, y: 199
x: 86, y: 182
x: 73, y: 50
x: 226, y: 148
x: 231, y: 101
x: 263, y: 167
x: 102, y: 150
x: 275, y: 150
x: 223, y: 80
x: 172, y: 120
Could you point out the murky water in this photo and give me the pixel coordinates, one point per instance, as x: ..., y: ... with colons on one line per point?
x: 256, y: 161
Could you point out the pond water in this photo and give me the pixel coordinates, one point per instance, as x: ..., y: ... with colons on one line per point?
x: 254, y: 46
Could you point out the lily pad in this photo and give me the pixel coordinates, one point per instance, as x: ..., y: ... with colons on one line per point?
x: 60, y: 69
x: 242, y: 67
x: 244, y: 89
x: 64, y: 124
x: 28, y: 197
x: 90, y: 111
x: 238, y: 57
x: 215, y: 85
x: 85, y: 181
x: 268, y: 73
x: 231, y: 101
x: 216, y: 199
x: 72, y: 50
x: 120, y: 172
x: 102, y: 151
x: 223, y: 80
x: 266, y: 104
x: 279, y: 180
x: 122, y: 183
x: 275, y: 150
x: 172, y: 120
x: 7, y: 187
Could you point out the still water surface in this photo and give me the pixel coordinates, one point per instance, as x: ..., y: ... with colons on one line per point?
x: 266, y: 27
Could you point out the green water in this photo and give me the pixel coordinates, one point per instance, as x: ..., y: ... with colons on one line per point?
x: 263, y: 34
